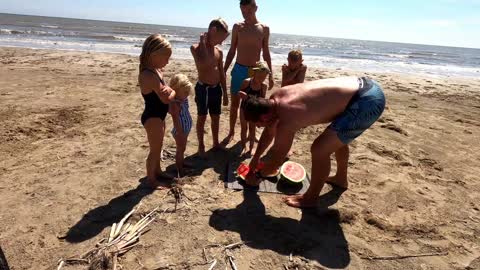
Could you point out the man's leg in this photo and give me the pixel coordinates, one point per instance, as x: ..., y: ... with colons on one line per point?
x: 340, y: 179
x: 322, y: 148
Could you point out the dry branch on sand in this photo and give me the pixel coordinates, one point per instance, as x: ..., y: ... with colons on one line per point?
x: 122, y: 238
x: 226, y: 250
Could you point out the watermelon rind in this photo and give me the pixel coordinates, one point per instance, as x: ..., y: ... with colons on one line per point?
x: 289, y: 179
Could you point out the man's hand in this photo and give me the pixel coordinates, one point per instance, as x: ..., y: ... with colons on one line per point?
x: 268, y: 171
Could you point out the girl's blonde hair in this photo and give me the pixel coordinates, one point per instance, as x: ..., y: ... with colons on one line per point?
x: 181, y: 84
x: 153, y: 43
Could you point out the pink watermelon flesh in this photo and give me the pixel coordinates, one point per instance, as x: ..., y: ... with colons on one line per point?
x: 293, y: 172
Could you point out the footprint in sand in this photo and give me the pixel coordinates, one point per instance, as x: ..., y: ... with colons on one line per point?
x: 431, y: 163
x: 395, y: 128
x: 383, y: 152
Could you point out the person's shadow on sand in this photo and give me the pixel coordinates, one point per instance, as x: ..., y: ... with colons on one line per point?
x: 316, y: 236
x: 96, y: 220
x: 214, y: 159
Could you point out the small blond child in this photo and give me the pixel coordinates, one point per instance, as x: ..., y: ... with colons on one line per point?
x: 295, y: 71
x: 182, y: 120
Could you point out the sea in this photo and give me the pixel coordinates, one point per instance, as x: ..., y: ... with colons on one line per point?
x: 126, y: 38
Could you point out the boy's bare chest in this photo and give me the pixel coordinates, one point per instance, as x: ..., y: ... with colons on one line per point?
x: 209, y: 58
x: 251, y: 34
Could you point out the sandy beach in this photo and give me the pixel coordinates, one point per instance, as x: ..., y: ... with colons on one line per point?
x: 72, y: 158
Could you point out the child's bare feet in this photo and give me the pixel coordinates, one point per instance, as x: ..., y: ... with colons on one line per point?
x: 300, y: 201
x: 162, y: 182
x: 243, y: 146
x: 218, y: 146
x: 201, y: 151
x: 338, y: 182
x: 228, y: 139
x: 183, y: 172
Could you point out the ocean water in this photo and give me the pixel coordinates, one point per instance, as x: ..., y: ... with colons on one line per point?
x: 127, y: 38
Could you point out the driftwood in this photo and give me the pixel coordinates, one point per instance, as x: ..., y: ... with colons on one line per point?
x: 122, y: 238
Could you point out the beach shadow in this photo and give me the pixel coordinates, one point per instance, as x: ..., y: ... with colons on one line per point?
x: 3, y: 261
x: 214, y: 159
x: 317, y: 236
x: 96, y: 220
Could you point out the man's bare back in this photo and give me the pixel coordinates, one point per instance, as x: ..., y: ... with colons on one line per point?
x: 313, y: 103
x: 250, y: 42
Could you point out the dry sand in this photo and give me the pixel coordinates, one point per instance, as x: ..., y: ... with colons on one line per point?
x: 72, y: 154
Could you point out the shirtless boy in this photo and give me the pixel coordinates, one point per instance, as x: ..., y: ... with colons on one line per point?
x: 249, y: 39
x: 294, y: 72
x: 211, y: 83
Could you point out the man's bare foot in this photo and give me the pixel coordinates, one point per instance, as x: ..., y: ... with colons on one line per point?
x: 337, y: 182
x: 300, y: 201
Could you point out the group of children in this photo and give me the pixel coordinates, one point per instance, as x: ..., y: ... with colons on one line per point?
x: 249, y: 39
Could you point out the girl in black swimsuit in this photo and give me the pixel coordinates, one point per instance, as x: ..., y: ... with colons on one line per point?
x: 156, y: 52
x: 257, y: 87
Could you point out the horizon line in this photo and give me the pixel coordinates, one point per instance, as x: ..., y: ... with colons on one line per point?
x: 197, y: 27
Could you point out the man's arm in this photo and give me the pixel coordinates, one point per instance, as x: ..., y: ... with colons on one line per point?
x: 233, y: 48
x: 265, y: 140
x: 283, y: 143
x: 266, y: 54
x: 223, y: 79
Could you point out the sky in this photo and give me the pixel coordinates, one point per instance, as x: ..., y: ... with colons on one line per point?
x: 435, y: 22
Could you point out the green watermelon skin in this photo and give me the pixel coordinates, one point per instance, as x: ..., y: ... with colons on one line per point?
x: 293, y: 172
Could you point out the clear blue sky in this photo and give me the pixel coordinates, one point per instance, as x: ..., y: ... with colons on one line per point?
x: 440, y: 22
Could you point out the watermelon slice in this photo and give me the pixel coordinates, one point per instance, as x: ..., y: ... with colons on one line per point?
x: 293, y: 172
x: 244, y: 169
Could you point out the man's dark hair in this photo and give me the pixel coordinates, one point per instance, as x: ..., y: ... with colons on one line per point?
x: 246, y: 2
x: 254, y: 108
